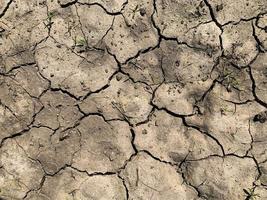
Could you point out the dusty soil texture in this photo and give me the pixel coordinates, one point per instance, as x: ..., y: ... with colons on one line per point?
x: 133, y: 100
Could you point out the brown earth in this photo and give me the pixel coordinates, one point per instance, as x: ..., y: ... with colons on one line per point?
x: 133, y: 99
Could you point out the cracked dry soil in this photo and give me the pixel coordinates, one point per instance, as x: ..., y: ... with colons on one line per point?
x: 133, y: 99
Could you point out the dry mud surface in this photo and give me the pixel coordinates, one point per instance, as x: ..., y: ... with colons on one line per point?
x: 133, y: 99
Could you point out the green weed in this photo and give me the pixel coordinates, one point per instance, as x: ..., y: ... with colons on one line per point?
x: 80, y: 42
x: 230, y: 79
x: 250, y: 192
x: 48, y: 21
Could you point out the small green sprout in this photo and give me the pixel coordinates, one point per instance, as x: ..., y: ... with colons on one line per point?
x: 224, y: 110
x: 230, y: 79
x: 49, y: 16
x: 80, y: 42
x: 234, y: 82
x: 226, y: 72
x: 137, y: 9
x: 48, y: 21
x: 251, y: 194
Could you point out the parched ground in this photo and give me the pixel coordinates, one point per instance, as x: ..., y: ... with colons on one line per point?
x: 133, y: 99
